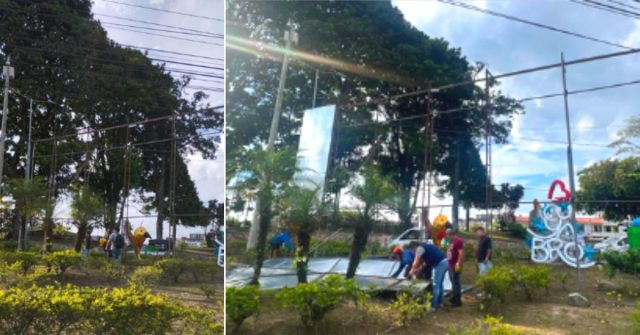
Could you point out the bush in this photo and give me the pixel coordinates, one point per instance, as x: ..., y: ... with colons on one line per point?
x: 530, y: 279
x: 562, y: 278
x: 333, y: 248
x: 146, y: 276
x: 487, y: 326
x: 313, y: 301
x: 517, y: 230
x: 242, y: 303
x: 73, y: 310
x: 199, y: 268
x: 495, y: 284
x: 173, y: 269
x: 209, y: 291
x: 27, y: 259
x: 63, y: 260
x: 627, y: 262
x: 501, y: 281
x: 409, y: 307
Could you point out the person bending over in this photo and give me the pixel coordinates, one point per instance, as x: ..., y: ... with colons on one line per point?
x: 406, y: 260
x: 429, y: 254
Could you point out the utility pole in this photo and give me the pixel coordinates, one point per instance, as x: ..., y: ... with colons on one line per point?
x: 8, y: 73
x: 315, y: 89
x: 488, y: 186
x: 572, y: 183
x: 27, y: 168
x: 172, y: 187
x: 290, y: 36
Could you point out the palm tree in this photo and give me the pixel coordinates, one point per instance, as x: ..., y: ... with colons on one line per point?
x: 303, y: 210
x: 86, y: 207
x: 268, y: 174
x: 30, y: 200
x: 374, y: 190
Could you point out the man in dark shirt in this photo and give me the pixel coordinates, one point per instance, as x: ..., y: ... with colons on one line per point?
x: 431, y: 255
x: 455, y: 256
x: 484, y: 251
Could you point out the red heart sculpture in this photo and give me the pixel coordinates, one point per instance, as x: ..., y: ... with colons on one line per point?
x: 563, y: 188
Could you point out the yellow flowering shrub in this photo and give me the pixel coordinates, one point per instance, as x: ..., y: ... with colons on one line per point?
x: 63, y: 260
x: 72, y: 310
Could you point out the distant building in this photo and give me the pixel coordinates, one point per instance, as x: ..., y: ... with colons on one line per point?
x: 194, y: 239
x: 595, y: 228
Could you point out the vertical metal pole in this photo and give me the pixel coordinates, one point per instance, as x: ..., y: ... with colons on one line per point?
x: 315, y: 89
x: 7, y: 71
x: 487, y: 156
x: 27, y: 168
x: 427, y: 150
x: 172, y: 182
x: 572, y: 184
x: 275, y: 120
x: 273, y: 132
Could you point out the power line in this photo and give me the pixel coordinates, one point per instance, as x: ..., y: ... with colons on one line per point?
x: 511, y: 74
x: 161, y: 30
x: 607, y: 8
x: 166, y: 10
x: 158, y: 24
x: 168, y: 36
x: 532, y: 23
x: 623, y: 4
x: 170, y: 52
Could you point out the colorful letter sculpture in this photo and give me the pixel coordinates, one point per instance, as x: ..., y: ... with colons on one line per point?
x: 554, y: 234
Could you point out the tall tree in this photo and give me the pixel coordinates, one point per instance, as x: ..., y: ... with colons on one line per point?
x: 374, y: 190
x: 629, y: 138
x: 607, y: 186
x: 268, y: 174
x: 372, y: 53
x: 79, y: 78
x: 85, y: 208
x: 29, y: 198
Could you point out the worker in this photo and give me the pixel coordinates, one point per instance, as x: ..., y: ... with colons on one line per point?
x: 455, y: 256
x: 430, y: 254
x: 281, y: 238
x: 484, y: 250
x: 406, y: 260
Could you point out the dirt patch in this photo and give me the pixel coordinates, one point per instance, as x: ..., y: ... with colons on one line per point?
x: 548, y: 313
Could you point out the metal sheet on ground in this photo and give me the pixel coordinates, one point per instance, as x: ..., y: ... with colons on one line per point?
x: 373, y: 272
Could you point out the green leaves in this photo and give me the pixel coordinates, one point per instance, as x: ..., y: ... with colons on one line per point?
x: 611, y: 180
x: 242, y: 303
x: 86, y: 205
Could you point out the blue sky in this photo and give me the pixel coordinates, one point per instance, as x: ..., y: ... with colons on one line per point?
x: 508, y: 46
x: 207, y: 174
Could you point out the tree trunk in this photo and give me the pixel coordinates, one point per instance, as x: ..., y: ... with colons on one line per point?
x: 264, y: 220
x: 468, y: 206
x: 160, y: 206
x: 21, y: 230
x: 82, y: 232
x: 302, y: 255
x: 455, y: 211
x: 360, y: 237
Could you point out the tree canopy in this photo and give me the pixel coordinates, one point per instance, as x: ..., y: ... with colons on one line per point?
x: 80, y: 79
x: 365, y: 51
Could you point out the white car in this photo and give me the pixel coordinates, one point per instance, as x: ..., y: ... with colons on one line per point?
x: 613, y: 243
x: 408, y: 236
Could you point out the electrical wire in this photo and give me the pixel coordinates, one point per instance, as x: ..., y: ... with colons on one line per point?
x: 158, y: 24
x: 607, y: 8
x: 165, y: 10
x: 532, y: 23
x: 169, y: 36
